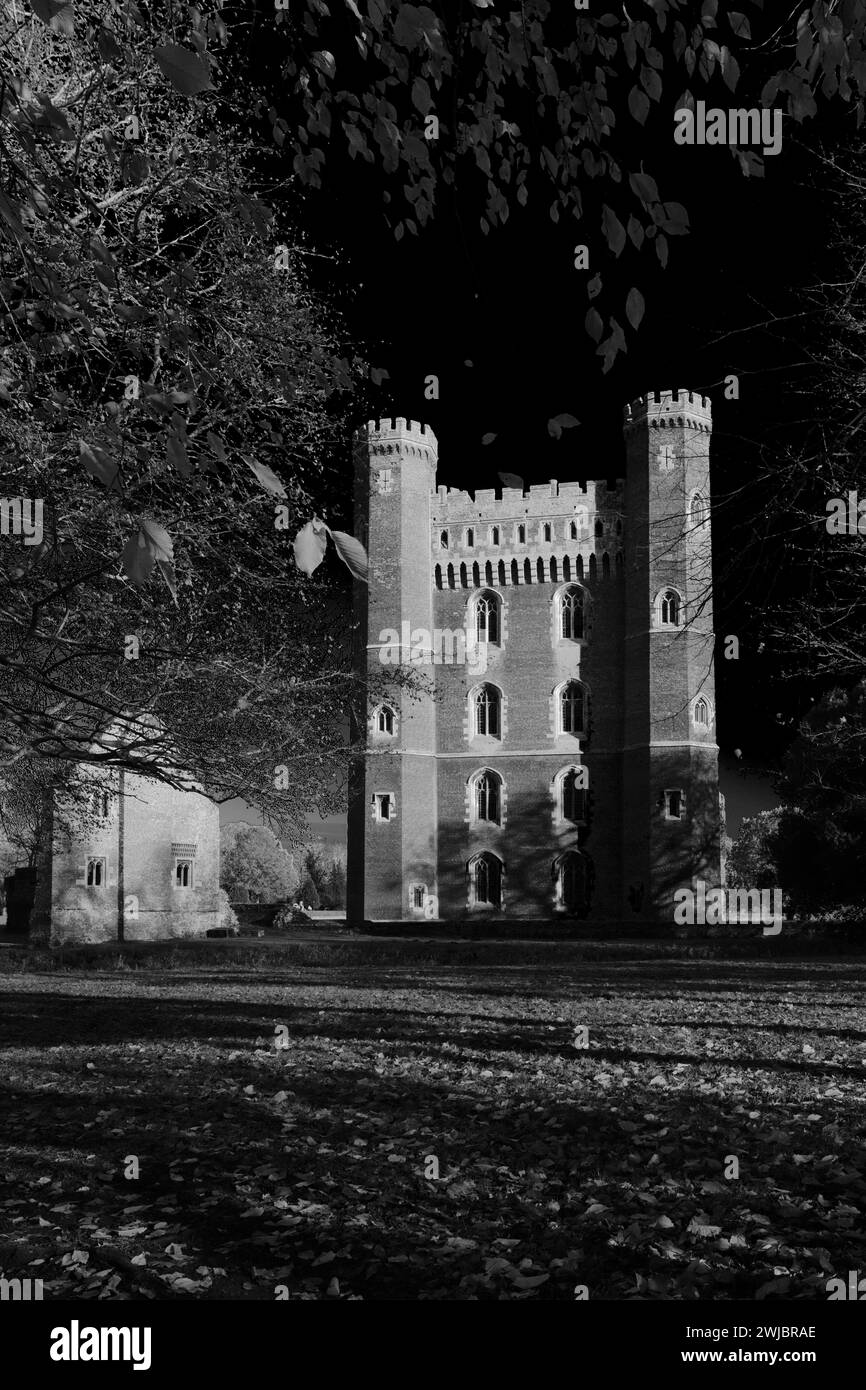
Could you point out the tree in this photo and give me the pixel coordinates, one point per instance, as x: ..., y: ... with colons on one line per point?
x: 507, y: 104
x: 752, y: 859
x: 335, y: 887
x: 254, y: 864
x: 308, y: 894
x: 822, y: 842
x: 174, y: 401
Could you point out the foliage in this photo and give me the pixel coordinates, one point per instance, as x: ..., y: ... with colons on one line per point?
x: 752, y: 858
x: 822, y: 845
x: 488, y: 107
x: 254, y: 862
x: 290, y: 916
x: 308, y: 894
x: 228, y: 917
x: 179, y: 406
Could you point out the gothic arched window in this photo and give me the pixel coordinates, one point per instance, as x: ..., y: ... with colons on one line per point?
x: 487, y: 617
x: 571, y: 795
x: 571, y: 614
x: 699, y: 511
x: 669, y: 608
x: 571, y: 708
x: 486, y: 880
x: 571, y: 884
x: 384, y: 720
x: 487, y: 712
x: 701, y: 713
x: 487, y: 797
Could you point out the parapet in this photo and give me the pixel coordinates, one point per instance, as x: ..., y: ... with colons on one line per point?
x: 670, y: 408
x: 541, y: 500
x: 398, y: 437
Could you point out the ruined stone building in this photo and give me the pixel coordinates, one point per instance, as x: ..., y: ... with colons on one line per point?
x: 567, y: 762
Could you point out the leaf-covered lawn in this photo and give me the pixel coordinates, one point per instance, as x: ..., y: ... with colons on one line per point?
x: 308, y: 1167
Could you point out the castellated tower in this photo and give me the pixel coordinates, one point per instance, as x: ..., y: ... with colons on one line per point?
x: 670, y: 758
x: 393, y: 844
x: 556, y: 756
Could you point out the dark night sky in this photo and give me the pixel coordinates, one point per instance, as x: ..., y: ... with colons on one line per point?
x: 512, y: 305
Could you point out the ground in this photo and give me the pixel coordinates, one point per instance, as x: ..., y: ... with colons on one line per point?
x: 306, y: 1170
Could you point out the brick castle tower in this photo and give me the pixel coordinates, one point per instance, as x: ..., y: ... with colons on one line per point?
x: 541, y: 732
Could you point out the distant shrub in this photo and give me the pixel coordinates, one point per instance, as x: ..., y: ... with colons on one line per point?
x: 228, y: 916
x: 289, y: 916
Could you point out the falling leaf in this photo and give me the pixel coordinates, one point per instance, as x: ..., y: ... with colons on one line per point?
x: 309, y: 547
x: 352, y: 553
x: 558, y: 423
x: 510, y: 480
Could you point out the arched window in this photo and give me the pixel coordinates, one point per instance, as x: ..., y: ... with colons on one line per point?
x: 476, y: 575
x: 566, y: 568
x: 514, y: 575
x: 443, y: 539
x: 605, y: 565
x: 470, y: 536
x: 384, y: 720
x: 572, y: 530
x: 571, y: 708
x: 527, y: 571
x: 487, y: 618
x: 438, y: 576
x: 599, y: 528
x: 554, y: 571
x: 571, y: 795
x: 571, y: 884
x: 701, y: 713
x: 699, y: 511
x: 487, y: 712
x: 487, y: 797
x: 571, y: 614
x: 539, y: 569
x: 521, y: 535
x: 450, y: 576
x: 485, y: 872
x: 669, y: 608
x: 464, y: 580
x: 501, y: 571
x: 494, y: 535
x: 548, y: 531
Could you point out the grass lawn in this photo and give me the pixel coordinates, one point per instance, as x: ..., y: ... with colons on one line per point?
x: 310, y: 1166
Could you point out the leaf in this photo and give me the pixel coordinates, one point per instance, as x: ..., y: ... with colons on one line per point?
x: 187, y: 73
x: 593, y: 286
x: 325, y: 62
x: 266, y: 476
x: 529, y: 1281
x: 638, y: 104
x: 739, y: 24
x: 309, y: 547
x: 676, y: 221
x: 593, y: 324
x: 100, y: 464
x: 613, y: 230
x: 488, y: 438
x: 510, y: 480
x: 352, y: 553
x: 644, y: 187
x: 378, y: 375
x: 634, y: 307
x: 150, y: 544
x: 558, y: 423
x: 57, y: 14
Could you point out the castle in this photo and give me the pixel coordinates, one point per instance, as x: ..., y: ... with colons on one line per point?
x: 560, y: 760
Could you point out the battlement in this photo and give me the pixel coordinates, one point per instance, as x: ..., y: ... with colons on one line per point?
x: 670, y: 408
x: 541, y: 501
x: 398, y: 436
